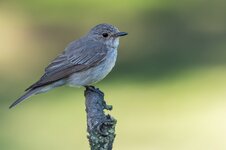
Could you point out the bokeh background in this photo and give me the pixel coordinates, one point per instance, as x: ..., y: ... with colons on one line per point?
x: 168, y: 88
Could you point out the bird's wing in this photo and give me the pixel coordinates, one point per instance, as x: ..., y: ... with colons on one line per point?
x: 74, y: 59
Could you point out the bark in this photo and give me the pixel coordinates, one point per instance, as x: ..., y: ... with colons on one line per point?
x: 100, y: 127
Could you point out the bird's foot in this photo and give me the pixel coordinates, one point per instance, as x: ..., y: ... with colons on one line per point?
x: 93, y: 89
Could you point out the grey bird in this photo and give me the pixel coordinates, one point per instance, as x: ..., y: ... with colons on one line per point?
x: 83, y: 62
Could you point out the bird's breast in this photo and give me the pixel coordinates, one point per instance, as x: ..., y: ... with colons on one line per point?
x: 109, y: 62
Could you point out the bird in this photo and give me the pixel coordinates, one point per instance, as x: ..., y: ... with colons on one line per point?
x: 83, y: 62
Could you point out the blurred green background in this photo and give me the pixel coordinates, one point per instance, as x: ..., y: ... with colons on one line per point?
x: 167, y: 89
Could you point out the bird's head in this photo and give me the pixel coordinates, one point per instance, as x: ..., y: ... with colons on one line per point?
x: 106, y: 33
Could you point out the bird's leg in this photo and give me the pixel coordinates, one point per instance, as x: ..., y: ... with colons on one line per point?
x: 98, y: 91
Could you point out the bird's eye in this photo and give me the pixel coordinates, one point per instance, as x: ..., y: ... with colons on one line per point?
x: 105, y: 35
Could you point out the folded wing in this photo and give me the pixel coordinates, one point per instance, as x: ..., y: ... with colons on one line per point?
x: 76, y: 57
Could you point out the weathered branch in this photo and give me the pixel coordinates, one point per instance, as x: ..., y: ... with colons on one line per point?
x: 100, y: 127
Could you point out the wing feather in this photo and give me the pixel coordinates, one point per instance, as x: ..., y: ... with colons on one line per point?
x: 73, y: 59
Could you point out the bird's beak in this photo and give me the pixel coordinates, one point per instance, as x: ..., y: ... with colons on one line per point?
x: 120, y: 34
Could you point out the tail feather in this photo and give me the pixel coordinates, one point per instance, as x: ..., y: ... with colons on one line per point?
x: 25, y: 96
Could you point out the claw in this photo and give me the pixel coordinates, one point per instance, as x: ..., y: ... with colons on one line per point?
x: 93, y: 89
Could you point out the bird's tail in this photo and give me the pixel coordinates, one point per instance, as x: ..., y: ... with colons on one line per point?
x: 25, y: 96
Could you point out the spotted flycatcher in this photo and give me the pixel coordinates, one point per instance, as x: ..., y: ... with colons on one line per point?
x: 83, y: 62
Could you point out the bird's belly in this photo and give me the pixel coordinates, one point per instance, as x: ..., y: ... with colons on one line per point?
x: 93, y: 74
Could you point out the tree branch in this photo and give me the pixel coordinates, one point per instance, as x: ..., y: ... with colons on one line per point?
x: 100, y: 127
